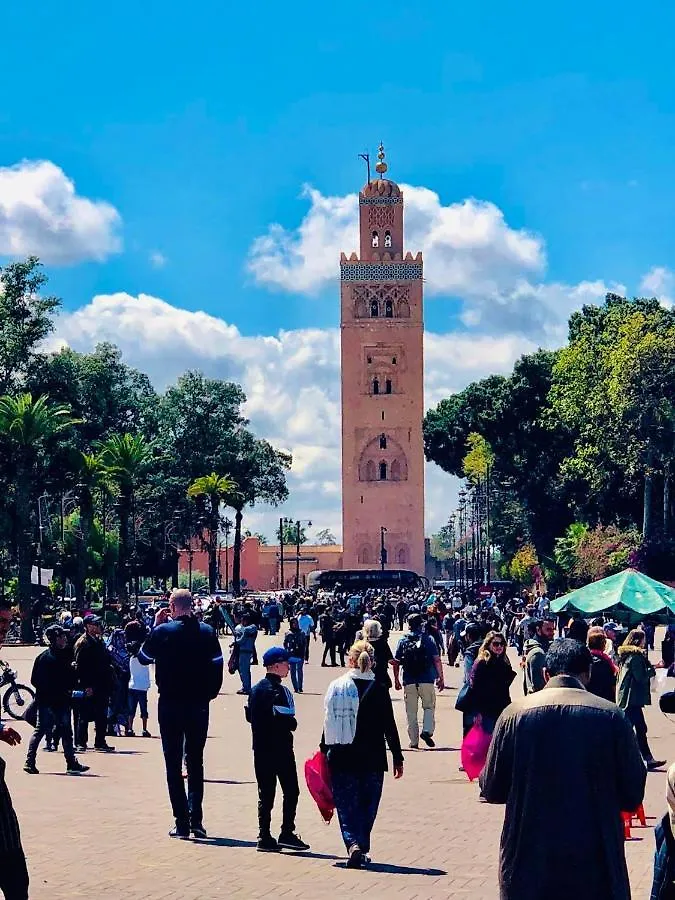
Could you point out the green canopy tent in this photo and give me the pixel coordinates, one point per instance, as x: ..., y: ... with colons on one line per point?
x: 628, y: 597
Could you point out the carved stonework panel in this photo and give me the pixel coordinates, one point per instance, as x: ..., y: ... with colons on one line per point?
x: 374, y: 271
x: 381, y: 216
x: 385, y: 301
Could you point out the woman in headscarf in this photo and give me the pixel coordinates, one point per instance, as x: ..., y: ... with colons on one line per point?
x: 663, y: 885
x: 372, y: 634
x: 633, y: 690
x: 118, y: 714
x: 358, y: 725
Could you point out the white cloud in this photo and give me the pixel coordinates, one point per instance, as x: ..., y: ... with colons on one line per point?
x: 468, y: 246
x: 41, y: 214
x: 659, y: 282
x: 292, y: 382
x: 157, y: 260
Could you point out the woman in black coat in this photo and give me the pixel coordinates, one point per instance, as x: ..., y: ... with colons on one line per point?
x: 491, y: 679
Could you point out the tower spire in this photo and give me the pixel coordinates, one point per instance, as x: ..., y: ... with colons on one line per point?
x: 381, y: 167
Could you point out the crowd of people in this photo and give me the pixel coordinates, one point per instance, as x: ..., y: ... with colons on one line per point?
x: 585, y: 686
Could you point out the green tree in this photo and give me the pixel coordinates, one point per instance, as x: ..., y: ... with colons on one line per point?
x: 215, y: 489
x: 290, y: 533
x: 126, y: 458
x: 567, y: 546
x: 325, y: 537
x: 91, y: 477
x: 28, y: 426
x: 26, y: 318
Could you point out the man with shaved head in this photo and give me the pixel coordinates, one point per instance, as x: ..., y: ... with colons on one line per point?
x: 189, y: 673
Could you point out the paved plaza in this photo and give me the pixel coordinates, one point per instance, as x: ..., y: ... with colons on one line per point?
x: 105, y: 833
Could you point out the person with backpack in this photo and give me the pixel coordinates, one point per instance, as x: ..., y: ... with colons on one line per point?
x: 417, y: 654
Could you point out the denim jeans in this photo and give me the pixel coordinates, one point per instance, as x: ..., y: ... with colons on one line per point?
x: 357, y: 798
x: 50, y: 721
x: 183, y: 727
x: 297, y: 673
x: 245, y: 670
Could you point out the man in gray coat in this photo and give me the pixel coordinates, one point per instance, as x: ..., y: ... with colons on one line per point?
x: 563, y: 837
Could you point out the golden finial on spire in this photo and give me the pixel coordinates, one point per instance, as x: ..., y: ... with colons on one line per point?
x: 381, y: 167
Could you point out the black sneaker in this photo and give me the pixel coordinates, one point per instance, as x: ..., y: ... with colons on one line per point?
x: 50, y: 748
x: 76, y: 768
x: 104, y: 748
x: 428, y: 740
x: 129, y: 732
x: 31, y: 769
x: 292, y: 841
x: 355, y: 860
x: 182, y: 834
x: 199, y: 832
x: 653, y: 764
x: 80, y: 748
x: 267, y: 844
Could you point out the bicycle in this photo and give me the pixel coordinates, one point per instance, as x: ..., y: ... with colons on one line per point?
x: 17, y: 696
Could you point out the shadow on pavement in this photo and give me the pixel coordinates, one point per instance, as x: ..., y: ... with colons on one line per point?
x: 225, y: 781
x: 225, y: 842
x: 392, y: 869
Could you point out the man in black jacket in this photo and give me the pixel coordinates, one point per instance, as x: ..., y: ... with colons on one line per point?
x: 271, y: 712
x: 189, y: 673
x: 93, y: 667
x: 54, y: 679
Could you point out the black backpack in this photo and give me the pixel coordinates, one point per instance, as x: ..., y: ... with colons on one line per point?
x: 415, y: 657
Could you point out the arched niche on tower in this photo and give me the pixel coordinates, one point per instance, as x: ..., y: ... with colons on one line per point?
x: 365, y: 555
x: 383, y: 464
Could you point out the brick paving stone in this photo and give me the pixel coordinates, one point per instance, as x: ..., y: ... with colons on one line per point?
x: 106, y: 832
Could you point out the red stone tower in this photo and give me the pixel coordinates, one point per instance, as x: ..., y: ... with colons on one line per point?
x: 382, y: 388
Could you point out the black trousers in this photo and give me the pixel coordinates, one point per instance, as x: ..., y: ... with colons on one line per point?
x: 95, y: 708
x: 183, y: 727
x: 268, y: 769
x: 13, y: 875
x: 636, y: 717
x: 328, y: 647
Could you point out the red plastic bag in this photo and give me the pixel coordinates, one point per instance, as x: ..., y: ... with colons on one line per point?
x: 475, y: 749
x: 317, y: 776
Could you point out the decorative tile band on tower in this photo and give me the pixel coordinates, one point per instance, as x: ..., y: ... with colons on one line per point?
x: 380, y: 271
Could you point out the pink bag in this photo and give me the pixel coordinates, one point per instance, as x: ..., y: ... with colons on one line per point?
x: 317, y: 776
x: 475, y: 748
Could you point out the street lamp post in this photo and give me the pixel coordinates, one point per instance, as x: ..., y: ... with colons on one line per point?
x: 227, y: 527
x: 383, y: 549
x: 462, y: 548
x: 281, y: 553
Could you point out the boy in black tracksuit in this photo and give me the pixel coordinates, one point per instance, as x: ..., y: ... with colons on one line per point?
x: 271, y: 712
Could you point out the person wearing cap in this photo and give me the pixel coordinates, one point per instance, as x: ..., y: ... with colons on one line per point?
x: 418, y: 656
x: 93, y: 668
x: 271, y: 713
x: 189, y: 673
x: 53, y: 678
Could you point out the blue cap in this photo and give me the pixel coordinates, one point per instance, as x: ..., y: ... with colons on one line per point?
x: 275, y: 655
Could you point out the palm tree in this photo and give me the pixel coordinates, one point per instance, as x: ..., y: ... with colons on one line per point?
x: 28, y: 425
x: 215, y: 489
x: 125, y: 458
x: 92, y: 475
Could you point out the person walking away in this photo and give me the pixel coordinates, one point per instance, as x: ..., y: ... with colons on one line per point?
x: 245, y: 635
x: 358, y: 726
x: 271, y: 714
x: 373, y: 635
x: 274, y: 617
x: 139, y: 685
x: 93, y: 668
x: 13, y: 870
x: 633, y: 691
x: 564, y: 841
x: 294, y: 644
x: 189, y: 673
x: 473, y: 643
x: 401, y: 611
x: 491, y: 679
x: 535, y: 650
x: 663, y: 884
x: 53, y: 678
x: 417, y: 655
x: 603, y: 670
x: 118, y: 717
x: 307, y: 626
x: 327, y: 631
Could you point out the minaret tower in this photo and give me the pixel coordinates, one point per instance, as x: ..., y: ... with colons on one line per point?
x: 382, y: 388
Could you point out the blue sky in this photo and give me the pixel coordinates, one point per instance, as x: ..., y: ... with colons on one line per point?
x: 199, y: 125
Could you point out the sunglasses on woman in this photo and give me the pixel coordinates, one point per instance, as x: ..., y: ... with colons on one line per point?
x: 498, y: 644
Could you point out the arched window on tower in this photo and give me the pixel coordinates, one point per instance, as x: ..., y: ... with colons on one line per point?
x: 383, y: 471
x: 365, y: 556
x: 374, y: 309
x: 387, y: 239
x: 396, y: 470
x: 376, y: 386
x: 387, y: 386
x: 383, y: 442
x: 376, y: 239
x: 371, y: 471
x: 389, y: 309
x: 402, y: 556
